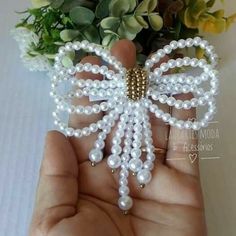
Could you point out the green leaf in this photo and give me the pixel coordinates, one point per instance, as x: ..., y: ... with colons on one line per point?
x: 35, y: 12
x: 40, y: 3
x: 142, y: 7
x: 141, y: 58
x: 70, y: 4
x: 118, y: 8
x: 199, y: 52
x: 55, y: 34
x: 210, y: 3
x: 102, y: 9
x: 132, y: 5
x: 68, y: 35
x: 155, y: 21
x: 146, y: 6
x: 213, y: 25
x: 82, y: 16
x: 189, y: 21
x: 230, y: 20
x: 131, y: 24
x: 65, y: 20
x: 109, y: 40
x: 91, y: 34
x: 49, y: 56
x: 142, y: 22
x: 67, y: 62
x: 124, y: 33
x: 198, y: 8
x: 110, y: 23
x: 152, y: 5
x: 219, y: 13
x: 57, y: 3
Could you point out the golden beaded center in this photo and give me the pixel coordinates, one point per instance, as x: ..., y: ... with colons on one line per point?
x: 137, y: 83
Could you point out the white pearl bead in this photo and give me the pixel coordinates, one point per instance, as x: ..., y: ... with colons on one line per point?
x: 136, y: 153
x: 70, y: 132
x: 95, y: 155
x: 124, y: 173
x: 114, y: 161
x: 163, y: 99
x: 78, y: 133
x: 171, y: 101
x: 167, y: 49
x: 166, y: 117
x: 116, y: 149
x: 100, y: 144
x: 151, y: 156
x: 144, y: 176
x: 101, y: 136
x: 189, y: 42
x: 125, y: 203
x: 178, y: 104
x: 148, y: 165
x: 196, y: 125
x: 172, y: 63
x: 196, y: 41
x: 186, y: 105
x: 174, y: 44
x: 158, y: 113
x: 123, y: 190
x: 181, y: 43
x: 135, y: 165
x: 86, y: 131
x: 123, y: 181
x: 180, y: 124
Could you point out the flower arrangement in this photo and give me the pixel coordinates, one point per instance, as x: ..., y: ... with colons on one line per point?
x: 151, y: 24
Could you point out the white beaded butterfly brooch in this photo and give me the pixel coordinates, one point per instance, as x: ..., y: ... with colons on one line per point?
x: 127, y: 97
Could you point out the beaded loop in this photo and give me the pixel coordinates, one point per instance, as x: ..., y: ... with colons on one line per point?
x: 127, y: 97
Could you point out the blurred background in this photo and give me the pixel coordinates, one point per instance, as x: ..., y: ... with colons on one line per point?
x: 25, y: 117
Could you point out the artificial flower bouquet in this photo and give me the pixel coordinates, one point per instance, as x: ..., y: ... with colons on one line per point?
x: 150, y: 24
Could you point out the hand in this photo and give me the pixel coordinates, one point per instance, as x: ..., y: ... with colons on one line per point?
x: 75, y: 199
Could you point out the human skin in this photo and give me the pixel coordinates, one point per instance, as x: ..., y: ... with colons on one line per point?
x: 75, y: 199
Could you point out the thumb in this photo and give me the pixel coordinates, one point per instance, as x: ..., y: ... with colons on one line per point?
x: 57, y: 192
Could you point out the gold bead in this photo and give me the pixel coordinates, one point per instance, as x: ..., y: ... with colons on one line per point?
x: 136, y: 82
x: 142, y: 185
x: 93, y: 164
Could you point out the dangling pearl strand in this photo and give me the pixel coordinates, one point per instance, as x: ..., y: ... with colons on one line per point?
x: 135, y: 163
x: 96, y: 154
x: 114, y: 160
x: 144, y: 176
x: 125, y: 202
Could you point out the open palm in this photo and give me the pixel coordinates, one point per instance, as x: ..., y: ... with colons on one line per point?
x: 75, y: 199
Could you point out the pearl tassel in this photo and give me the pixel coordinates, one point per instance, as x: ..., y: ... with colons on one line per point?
x: 125, y: 202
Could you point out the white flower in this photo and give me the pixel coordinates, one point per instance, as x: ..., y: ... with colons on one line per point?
x: 26, y: 39
x: 129, y: 96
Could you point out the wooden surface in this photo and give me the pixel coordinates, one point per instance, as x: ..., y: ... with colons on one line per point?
x: 25, y: 118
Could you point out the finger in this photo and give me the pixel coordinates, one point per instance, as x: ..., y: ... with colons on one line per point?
x: 182, y: 145
x: 125, y: 51
x: 82, y: 146
x: 58, y: 185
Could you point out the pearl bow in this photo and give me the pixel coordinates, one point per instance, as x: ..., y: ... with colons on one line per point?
x: 128, y: 97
